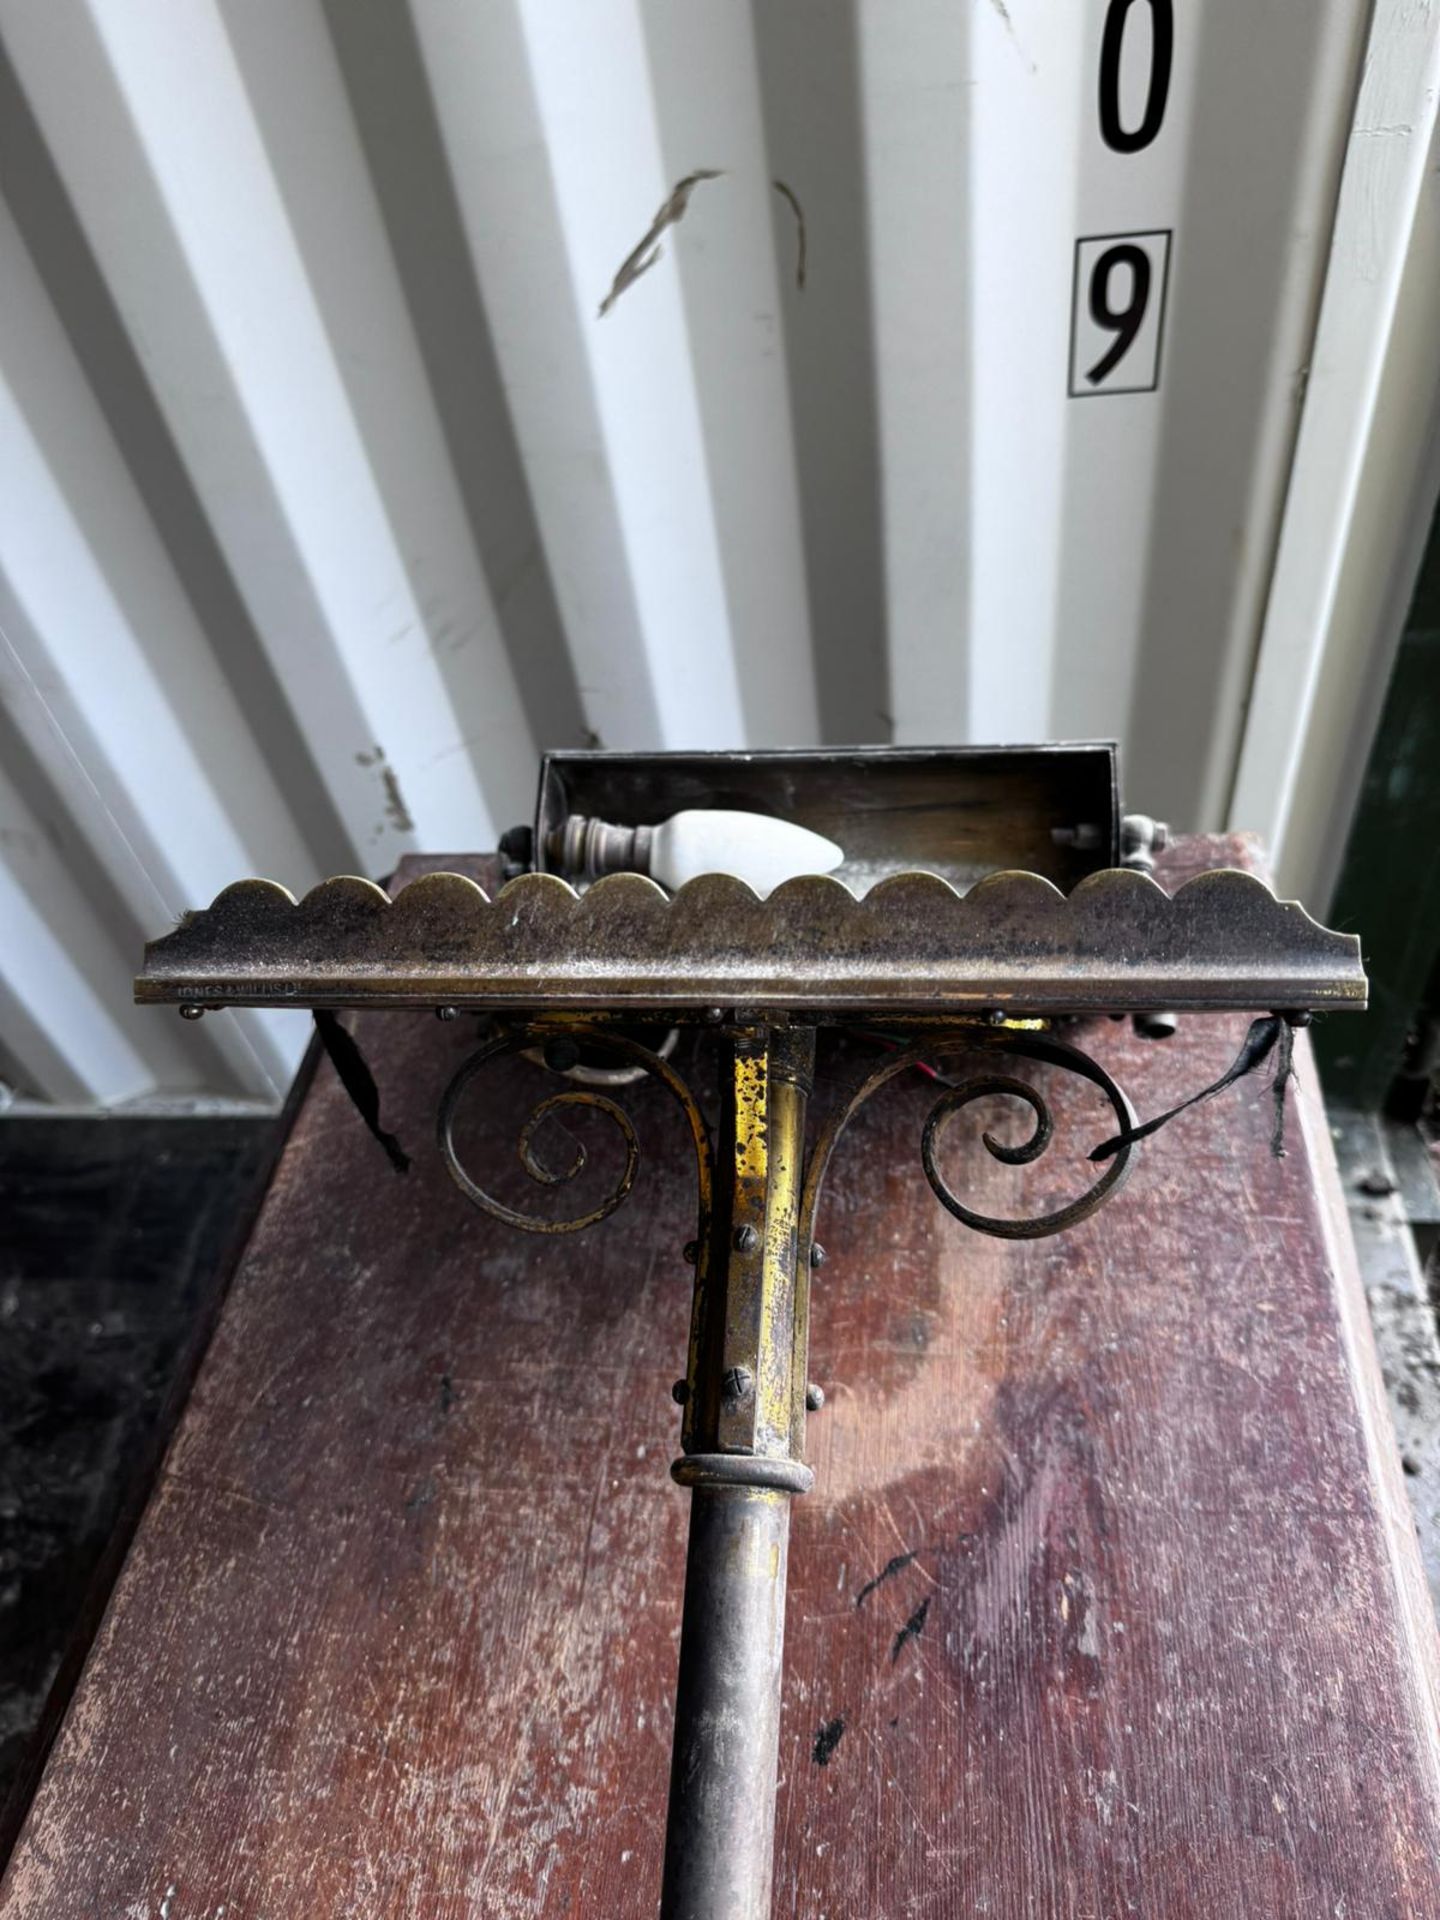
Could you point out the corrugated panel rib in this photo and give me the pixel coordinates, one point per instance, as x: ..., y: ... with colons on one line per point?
x: 331, y: 495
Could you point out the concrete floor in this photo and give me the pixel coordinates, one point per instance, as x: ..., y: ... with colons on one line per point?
x: 114, y: 1243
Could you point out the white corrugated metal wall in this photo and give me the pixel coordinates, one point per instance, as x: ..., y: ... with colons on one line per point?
x: 329, y: 496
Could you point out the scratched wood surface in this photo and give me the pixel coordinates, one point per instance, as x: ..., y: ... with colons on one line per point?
x: 1106, y: 1601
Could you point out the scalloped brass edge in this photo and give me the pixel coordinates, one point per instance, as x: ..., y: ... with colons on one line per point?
x: 272, y: 894
x: 913, y: 941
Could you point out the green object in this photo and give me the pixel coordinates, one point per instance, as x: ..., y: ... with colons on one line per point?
x: 1389, y: 889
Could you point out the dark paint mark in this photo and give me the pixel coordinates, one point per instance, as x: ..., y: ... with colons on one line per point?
x: 887, y: 1572
x: 788, y: 194
x: 828, y: 1739
x: 448, y: 1395
x: 911, y: 1629
x: 641, y: 258
x: 395, y: 805
x: 422, y: 1497
x: 1004, y: 13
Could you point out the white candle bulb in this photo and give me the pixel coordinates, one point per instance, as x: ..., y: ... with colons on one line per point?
x: 756, y: 848
x: 761, y: 851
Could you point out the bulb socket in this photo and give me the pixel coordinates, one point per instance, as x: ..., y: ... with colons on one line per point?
x: 583, y: 848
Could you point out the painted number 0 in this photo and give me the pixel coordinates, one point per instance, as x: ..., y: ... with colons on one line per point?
x: 1112, y: 46
x: 1124, y: 322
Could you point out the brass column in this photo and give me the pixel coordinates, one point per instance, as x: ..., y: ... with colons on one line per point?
x: 743, y: 1438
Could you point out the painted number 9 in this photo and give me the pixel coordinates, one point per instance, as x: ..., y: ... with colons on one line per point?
x: 1112, y: 47
x: 1124, y: 322
x: 1118, y: 315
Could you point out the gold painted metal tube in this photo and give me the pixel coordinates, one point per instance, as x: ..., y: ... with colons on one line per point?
x: 743, y: 1432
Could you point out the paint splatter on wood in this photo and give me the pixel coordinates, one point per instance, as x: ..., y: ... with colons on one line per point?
x: 911, y: 1630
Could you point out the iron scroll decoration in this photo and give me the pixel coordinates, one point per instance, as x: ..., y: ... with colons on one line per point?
x: 517, y: 1040
x: 1040, y: 1048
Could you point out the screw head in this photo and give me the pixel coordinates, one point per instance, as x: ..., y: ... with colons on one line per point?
x: 447, y: 1013
x: 691, y: 1252
x: 746, y: 1239
x: 188, y: 1012
x: 995, y: 1017
x: 561, y: 1053
x: 814, y: 1397
x: 737, y: 1383
x: 818, y: 1255
x: 680, y: 1392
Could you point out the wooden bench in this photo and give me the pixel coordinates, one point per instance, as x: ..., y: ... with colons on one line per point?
x: 1106, y: 1601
